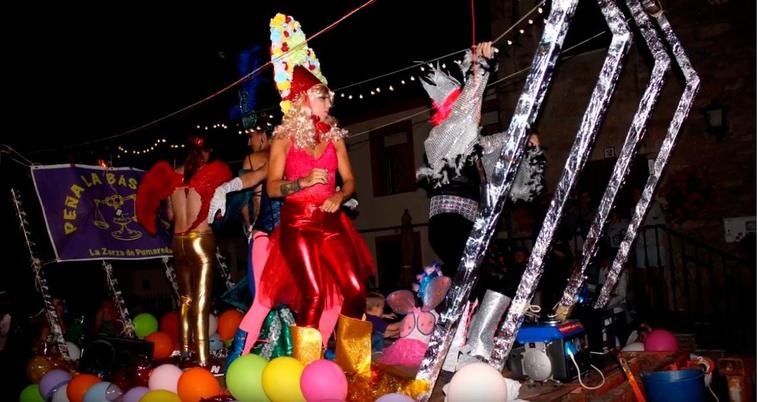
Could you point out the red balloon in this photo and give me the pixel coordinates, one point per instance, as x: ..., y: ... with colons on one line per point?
x: 228, y: 322
x: 170, y: 324
x: 162, y: 345
x: 79, y: 385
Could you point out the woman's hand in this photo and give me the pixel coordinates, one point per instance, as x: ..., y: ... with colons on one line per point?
x: 534, y: 140
x: 316, y: 176
x: 486, y: 50
x: 332, y: 204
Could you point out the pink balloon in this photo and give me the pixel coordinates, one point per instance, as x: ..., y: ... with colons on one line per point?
x: 323, y: 379
x: 165, y: 376
x: 660, y: 340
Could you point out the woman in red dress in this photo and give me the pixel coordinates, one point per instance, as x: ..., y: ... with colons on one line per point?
x: 317, y: 258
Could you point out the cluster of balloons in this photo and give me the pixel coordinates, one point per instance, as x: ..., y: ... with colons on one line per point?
x: 251, y: 378
x: 165, y: 337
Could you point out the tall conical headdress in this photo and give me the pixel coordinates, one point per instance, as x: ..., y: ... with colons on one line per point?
x: 296, y: 67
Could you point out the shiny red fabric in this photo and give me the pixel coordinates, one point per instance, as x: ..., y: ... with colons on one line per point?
x: 314, y: 257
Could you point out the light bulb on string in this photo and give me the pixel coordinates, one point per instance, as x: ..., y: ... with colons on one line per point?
x: 391, y: 88
x: 378, y: 90
x: 412, y: 79
x: 509, y: 42
x: 402, y: 82
x: 531, y: 21
x: 539, y: 10
x: 521, y: 31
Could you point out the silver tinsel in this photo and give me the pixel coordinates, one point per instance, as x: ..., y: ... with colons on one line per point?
x: 53, y: 320
x: 499, y: 185
x: 578, y: 156
x: 621, y: 169
x: 118, y: 300
x: 223, y: 270
x: 672, y: 134
x: 171, y: 276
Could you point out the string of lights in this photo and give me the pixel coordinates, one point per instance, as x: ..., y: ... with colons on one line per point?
x: 351, y: 93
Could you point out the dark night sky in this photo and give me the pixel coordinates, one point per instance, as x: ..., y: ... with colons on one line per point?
x: 75, y: 78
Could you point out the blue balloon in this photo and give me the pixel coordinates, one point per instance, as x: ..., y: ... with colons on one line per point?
x: 103, y: 392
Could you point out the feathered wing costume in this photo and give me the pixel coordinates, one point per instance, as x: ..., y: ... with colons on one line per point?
x: 459, y: 159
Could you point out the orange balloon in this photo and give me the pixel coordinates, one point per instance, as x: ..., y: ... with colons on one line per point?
x: 195, y: 384
x: 37, y: 367
x: 79, y: 385
x: 228, y: 322
x: 162, y: 344
x: 170, y: 324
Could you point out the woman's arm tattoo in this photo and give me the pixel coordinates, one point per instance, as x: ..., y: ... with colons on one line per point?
x: 289, y: 187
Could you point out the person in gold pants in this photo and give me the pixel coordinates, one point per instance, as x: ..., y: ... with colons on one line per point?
x: 189, y: 190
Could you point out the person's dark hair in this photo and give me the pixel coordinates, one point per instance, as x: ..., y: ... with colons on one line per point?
x: 195, y: 159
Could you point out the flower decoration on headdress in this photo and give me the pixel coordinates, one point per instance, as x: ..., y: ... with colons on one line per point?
x: 289, y: 50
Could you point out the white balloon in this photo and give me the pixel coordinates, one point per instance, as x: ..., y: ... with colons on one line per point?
x: 212, y: 324
x: 634, y: 347
x: 477, y: 382
x: 60, y: 394
x: 73, y: 351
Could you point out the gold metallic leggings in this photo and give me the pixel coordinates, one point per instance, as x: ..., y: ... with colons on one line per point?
x: 194, y: 255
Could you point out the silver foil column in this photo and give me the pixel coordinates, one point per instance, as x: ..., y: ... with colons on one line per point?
x: 579, y: 154
x: 53, y: 320
x: 621, y: 169
x: 118, y: 300
x: 499, y: 184
x: 223, y: 269
x: 171, y: 276
x: 672, y: 134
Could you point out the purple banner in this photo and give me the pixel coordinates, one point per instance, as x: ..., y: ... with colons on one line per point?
x: 89, y: 212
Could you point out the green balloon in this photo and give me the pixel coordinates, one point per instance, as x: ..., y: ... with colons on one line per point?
x: 243, y: 378
x: 145, y: 324
x: 30, y: 394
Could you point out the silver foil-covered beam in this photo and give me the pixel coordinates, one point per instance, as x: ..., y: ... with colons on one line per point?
x: 578, y: 156
x: 171, y: 276
x: 223, y: 270
x: 672, y: 134
x: 118, y: 300
x: 53, y: 320
x: 621, y: 169
x: 499, y: 184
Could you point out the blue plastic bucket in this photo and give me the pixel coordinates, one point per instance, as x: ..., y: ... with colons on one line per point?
x: 675, y: 386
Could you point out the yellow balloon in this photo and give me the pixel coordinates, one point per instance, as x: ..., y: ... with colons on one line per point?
x: 160, y: 395
x: 281, y: 380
